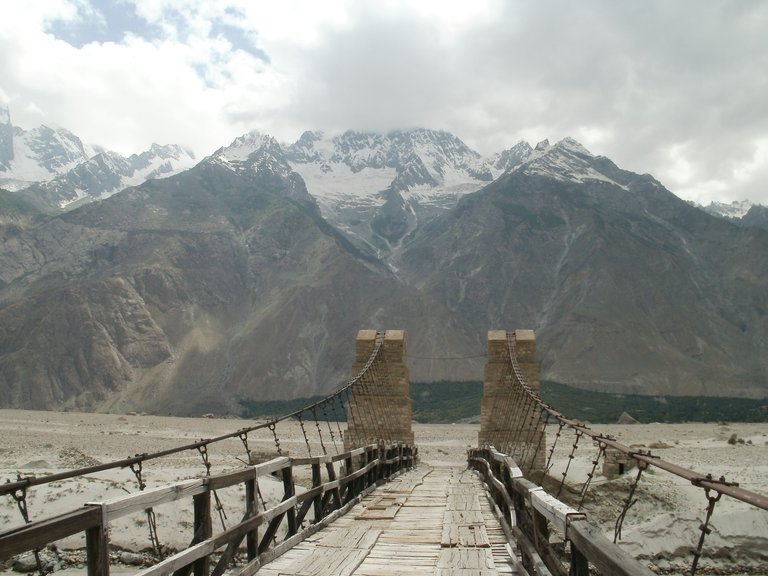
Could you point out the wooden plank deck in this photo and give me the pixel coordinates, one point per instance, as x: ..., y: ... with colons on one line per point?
x: 427, y: 521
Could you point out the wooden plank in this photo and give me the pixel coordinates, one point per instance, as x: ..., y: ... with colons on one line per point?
x: 463, y: 502
x: 558, y: 513
x: 97, y: 545
x: 473, y: 536
x: 601, y: 552
x: 527, y: 548
x: 125, y: 505
x: 465, y: 559
x: 227, y: 479
x: 203, y: 526
x: 41, y: 532
x: 271, y: 465
x: 177, y: 561
x: 463, y: 517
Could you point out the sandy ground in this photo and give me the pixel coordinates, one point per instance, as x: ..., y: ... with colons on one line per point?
x: 662, y: 526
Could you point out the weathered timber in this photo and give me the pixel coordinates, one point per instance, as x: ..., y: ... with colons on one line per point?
x: 149, y: 498
x: 97, y: 546
x: 38, y: 534
x: 601, y: 552
x: 535, y: 511
x: 325, y: 497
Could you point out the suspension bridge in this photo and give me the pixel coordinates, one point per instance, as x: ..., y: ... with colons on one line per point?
x: 355, y: 499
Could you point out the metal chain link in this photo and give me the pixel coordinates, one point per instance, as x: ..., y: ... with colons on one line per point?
x: 20, y: 496
x: 600, y: 453
x: 579, y: 434
x: 304, y: 433
x: 548, y: 465
x: 330, y: 428
x: 271, y: 427
x: 628, y: 501
x: 137, y: 470
x: 203, y: 450
x: 704, y: 527
x: 244, y: 439
x: 319, y: 431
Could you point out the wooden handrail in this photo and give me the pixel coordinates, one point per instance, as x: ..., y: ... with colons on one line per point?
x: 363, y: 467
x: 534, y: 510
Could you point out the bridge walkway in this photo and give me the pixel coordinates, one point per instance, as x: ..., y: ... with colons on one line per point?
x: 426, y: 521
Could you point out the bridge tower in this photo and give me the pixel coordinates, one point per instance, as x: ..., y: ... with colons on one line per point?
x: 379, y: 406
x: 507, y: 418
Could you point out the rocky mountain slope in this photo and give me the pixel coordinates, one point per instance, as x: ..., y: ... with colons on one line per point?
x: 17, y: 214
x: 226, y: 281
x: 630, y: 289
x: 186, y: 294
x: 379, y: 188
x: 743, y: 213
x: 37, y: 155
x: 756, y: 217
x: 55, y: 169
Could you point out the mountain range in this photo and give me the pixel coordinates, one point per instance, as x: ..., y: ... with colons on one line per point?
x: 247, y: 275
x: 55, y: 169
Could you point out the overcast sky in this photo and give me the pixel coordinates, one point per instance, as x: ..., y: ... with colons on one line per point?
x: 678, y: 89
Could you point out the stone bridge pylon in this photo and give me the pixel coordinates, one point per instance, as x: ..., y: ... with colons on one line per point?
x: 505, y: 421
x: 379, y: 406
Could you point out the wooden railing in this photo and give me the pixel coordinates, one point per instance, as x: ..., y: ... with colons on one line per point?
x: 267, y: 533
x: 527, y: 513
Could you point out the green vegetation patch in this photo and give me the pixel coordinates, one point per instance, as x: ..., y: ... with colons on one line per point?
x: 433, y: 402
x: 446, y: 402
x: 606, y: 407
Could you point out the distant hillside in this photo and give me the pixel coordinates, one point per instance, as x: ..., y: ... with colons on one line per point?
x: 17, y: 213
x: 629, y: 288
x: 449, y: 402
x: 225, y: 283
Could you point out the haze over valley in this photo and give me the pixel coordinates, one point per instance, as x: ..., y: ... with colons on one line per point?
x: 247, y: 275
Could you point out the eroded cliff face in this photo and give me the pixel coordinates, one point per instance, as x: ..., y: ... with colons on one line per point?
x: 630, y: 289
x: 188, y: 294
x: 185, y: 295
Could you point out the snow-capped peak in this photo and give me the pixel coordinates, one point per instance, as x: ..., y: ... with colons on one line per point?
x: 736, y: 209
x: 566, y: 160
x: 574, y: 146
x: 512, y: 157
x: 252, y: 153
x: 354, y: 169
x: 243, y: 146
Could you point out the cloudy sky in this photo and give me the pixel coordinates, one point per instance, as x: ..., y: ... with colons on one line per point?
x: 677, y: 89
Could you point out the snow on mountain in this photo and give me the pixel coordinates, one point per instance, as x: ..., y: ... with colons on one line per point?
x: 735, y: 210
x: 29, y: 156
x: 567, y: 160
x: 58, y: 168
x: 159, y: 162
x: 108, y: 172
x: 511, y: 158
x: 380, y: 188
x: 259, y: 156
x: 356, y: 168
x: 252, y: 153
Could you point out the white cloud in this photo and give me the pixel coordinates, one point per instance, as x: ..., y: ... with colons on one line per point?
x: 679, y: 89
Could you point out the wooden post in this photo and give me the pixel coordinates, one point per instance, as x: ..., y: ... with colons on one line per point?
x: 203, y: 529
x: 579, y: 563
x: 97, y: 548
x: 317, y: 501
x: 370, y: 477
x: 349, y: 491
x: 251, y: 507
x: 335, y: 492
x: 289, y: 491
